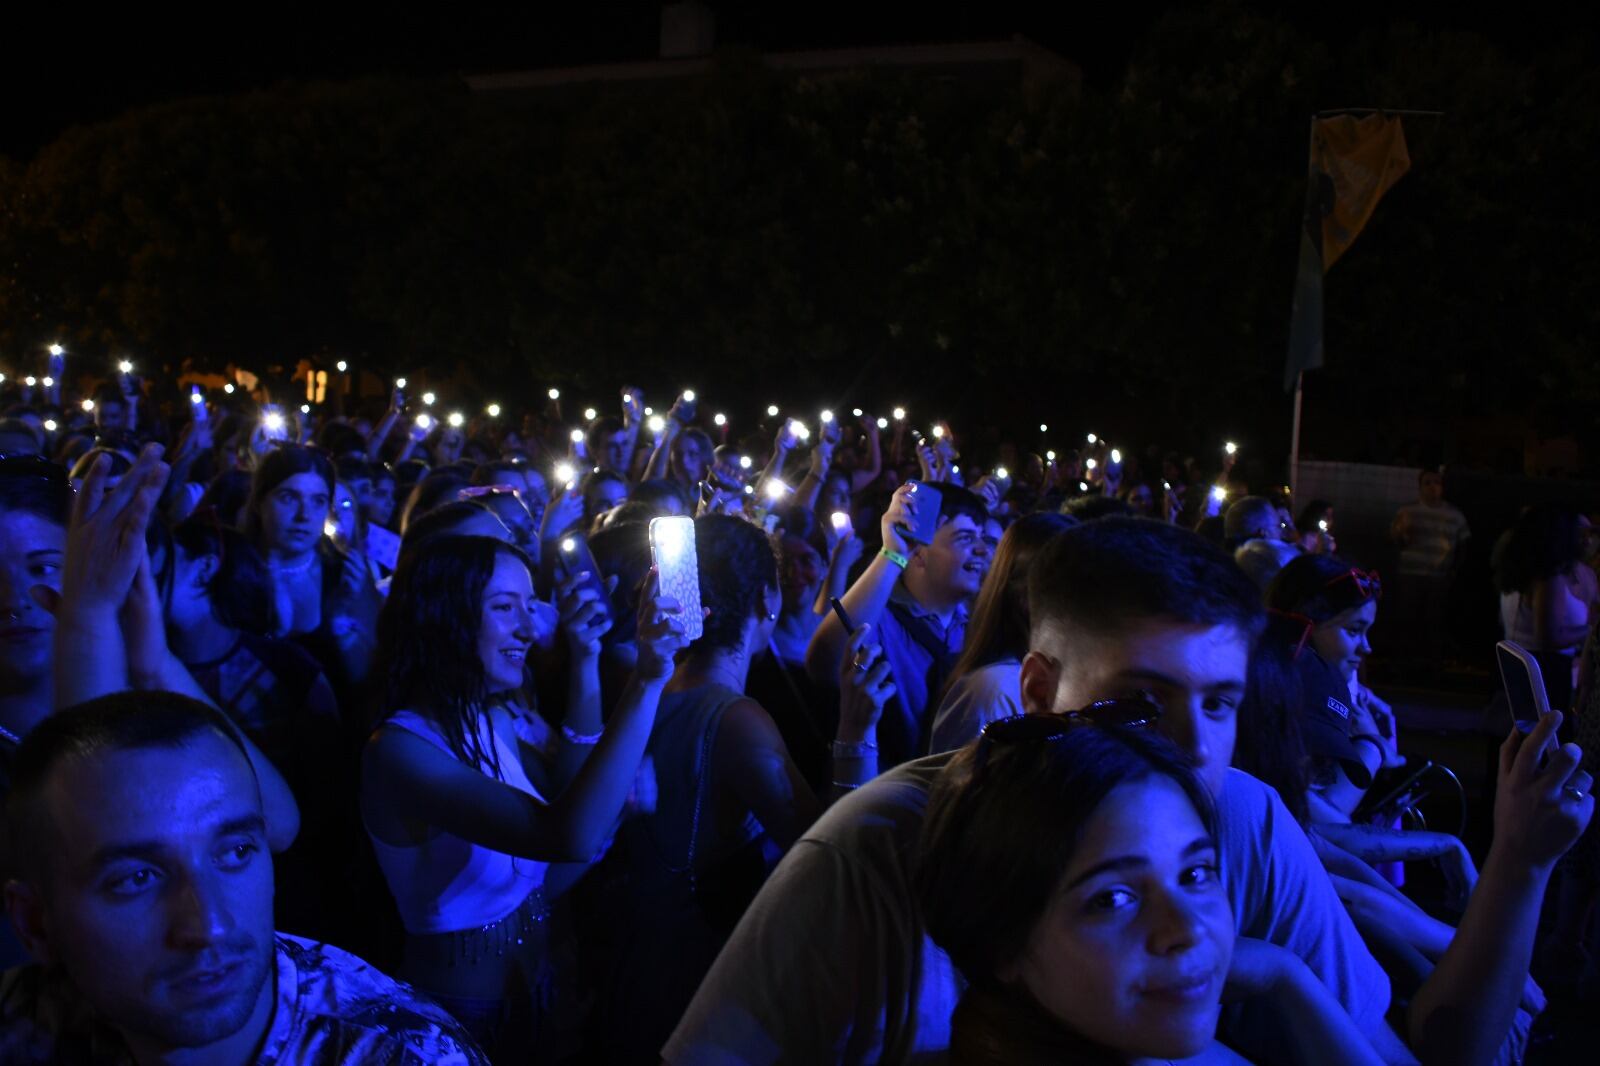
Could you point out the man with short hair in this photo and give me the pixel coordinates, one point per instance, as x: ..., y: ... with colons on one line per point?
x: 1252, y: 528
x: 610, y: 444
x: 916, y: 597
x: 143, y: 885
x: 831, y: 964
x: 1430, y: 534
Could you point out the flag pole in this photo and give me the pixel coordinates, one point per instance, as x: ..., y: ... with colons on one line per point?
x: 1294, y: 442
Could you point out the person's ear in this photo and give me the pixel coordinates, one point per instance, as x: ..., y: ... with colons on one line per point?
x: 1041, y: 678
x: 25, y: 906
x: 209, y: 565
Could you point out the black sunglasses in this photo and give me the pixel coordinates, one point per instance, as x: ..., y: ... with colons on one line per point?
x: 1135, y: 712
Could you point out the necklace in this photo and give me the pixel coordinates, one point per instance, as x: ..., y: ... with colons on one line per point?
x: 302, y: 568
x: 9, y: 735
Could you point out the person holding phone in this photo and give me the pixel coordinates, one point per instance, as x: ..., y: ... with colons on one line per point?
x: 1548, y: 591
x: 679, y: 877
x: 462, y: 835
x: 915, y: 596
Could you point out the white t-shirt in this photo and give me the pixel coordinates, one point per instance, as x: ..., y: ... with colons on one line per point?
x: 985, y: 695
x: 830, y: 963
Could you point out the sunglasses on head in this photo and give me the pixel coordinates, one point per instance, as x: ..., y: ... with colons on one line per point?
x: 1366, y: 582
x: 477, y: 491
x: 1136, y: 712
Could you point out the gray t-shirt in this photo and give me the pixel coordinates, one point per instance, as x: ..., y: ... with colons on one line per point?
x: 830, y: 963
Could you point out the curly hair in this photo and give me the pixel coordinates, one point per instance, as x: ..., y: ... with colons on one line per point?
x: 428, y: 640
x: 737, y: 567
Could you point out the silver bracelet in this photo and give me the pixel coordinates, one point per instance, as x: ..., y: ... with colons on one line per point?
x: 854, y: 749
x: 847, y: 788
x: 581, y: 738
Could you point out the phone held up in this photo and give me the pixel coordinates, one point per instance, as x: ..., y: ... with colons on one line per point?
x: 672, y: 549
x: 576, y: 558
x: 926, y: 520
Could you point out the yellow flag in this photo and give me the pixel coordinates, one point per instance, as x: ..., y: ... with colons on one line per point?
x: 1359, y: 159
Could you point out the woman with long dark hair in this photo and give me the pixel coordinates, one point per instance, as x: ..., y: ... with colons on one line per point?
x: 462, y: 835
x: 1071, y: 873
x: 985, y: 684
x: 1547, y: 590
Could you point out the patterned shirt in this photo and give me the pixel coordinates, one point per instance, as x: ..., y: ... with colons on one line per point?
x: 332, y: 1010
x: 1432, y: 536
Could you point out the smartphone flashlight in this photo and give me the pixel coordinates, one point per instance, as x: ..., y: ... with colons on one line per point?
x: 424, y: 421
x: 1219, y: 493
x: 1043, y: 428
x: 194, y: 398
x: 720, y: 420
x: 48, y: 382
x: 399, y: 383
x: 125, y: 366
x: 1089, y: 464
x: 228, y: 388
x: 1116, y: 457
x: 1231, y: 448
x: 1092, y: 439
x: 857, y: 412
x: 825, y: 417
x: 49, y: 425
x: 330, y: 528
x: 841, y: 521
x: 745, y: 462
x: 657, y: 424
x: 30, y: 381
x: 1322, y: 524
x: 899, y: 414
x: 569, y: 545
x: 1002, y: 474
x: 273, y: 421
x: 428, y: 398
x: 341, y: 366
x: 883, y: 423
x: 1050, y: 456
x: 776, y: 490
x: 799, y: 429
x: 305, y: 408
x: 590, y: 414
x: 566, y: 473
x: 88, y: 405
x: 938, y: 431
x: 576, y: 436
x: 554, y: 394
x: 56, y: 349
x: 493, y: 410
x: 688, y: 396
x: 456, y: 419
x: 772, y: 411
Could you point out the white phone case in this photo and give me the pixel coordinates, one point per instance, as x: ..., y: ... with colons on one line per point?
x: 673, y: 551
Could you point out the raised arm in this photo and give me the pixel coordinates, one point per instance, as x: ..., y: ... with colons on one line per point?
x: 380, y: 432
x: 867, y: 598
x: 1465, y: 1008
x: 872, y: 467
x: 413, y: 779
x: 584, y: 621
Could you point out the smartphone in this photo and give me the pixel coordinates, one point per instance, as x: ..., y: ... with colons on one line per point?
x: 842, y: 526
x: 273, y: 424
x: 927, y: 518
x: 1524, y: 684
x: 197, y: 404
x: 576, y: 558
x: 673, y: 552
x: 688, y: 403
x: 842, y: 614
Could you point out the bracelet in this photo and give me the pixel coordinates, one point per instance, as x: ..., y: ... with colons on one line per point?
x: 895, y: 557
x: 845, y: 787
x: 852, y: 749
x: 581, y: 738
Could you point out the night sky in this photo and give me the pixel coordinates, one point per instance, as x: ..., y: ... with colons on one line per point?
x: 57, y: 70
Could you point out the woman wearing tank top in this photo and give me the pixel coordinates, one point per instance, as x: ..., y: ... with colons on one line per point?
x: 461, y: 834
x: 730, y: 799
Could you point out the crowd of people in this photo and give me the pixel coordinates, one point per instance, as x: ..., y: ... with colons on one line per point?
x: 351, y: 733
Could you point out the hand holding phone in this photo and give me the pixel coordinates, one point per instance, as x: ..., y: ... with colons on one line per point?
x: 672, y: 548
x: 925, y: 501
x: 197, y: 405
x: 585, y: 605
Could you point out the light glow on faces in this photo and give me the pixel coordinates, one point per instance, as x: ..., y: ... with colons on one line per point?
x: 456, y: 419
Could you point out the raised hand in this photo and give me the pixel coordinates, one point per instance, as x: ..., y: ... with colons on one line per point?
x: 660, y: 631
x: 902, y: 512
x: 584, y: 615
x: 564, y: 512
x: 864, y: 688
x: 1543, y: 801
x: 105, y: 537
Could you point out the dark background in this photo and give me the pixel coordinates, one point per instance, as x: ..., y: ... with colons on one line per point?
x: 1115, y: 253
